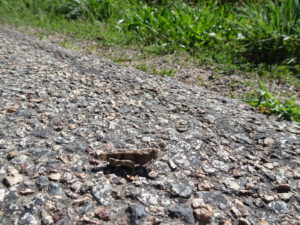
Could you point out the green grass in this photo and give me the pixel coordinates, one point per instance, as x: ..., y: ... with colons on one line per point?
x: 260, y: 36
x: 258, y: 32
x: 266, y: 103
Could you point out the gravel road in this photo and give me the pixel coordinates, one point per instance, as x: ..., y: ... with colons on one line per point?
x: 217, y: 162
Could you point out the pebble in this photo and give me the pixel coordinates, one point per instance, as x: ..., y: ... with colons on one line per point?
x: 232, y: 185
x: 214, y: 198
x: 19, y: 159
x: 55, y: 176
x: 172, y: 165
x: 41, y: 133
x: 204, y: 214
x: 263, y: 222
x: 54, y: 189
x: 286, y: 196
x: 181, y: 189
x: 42, y: 182
x: 185, y: 213
x: 13, y: 178
x: 46, y: 218
x: 269, y: 141
x: 220, y: 165
x: 5, y: 221
x: 278, y: 206
x: 102, y: 213
x: 197, y: 203
x: 2, y: 194
x: 13, y: 154
x: 27, y: 219
x: 243, y: 221
x: 148, y: 198
x: 268, y: 198
x: 102, y: 193
x: 138, y: 214
x: 76, y: 186
x: 209, y: 119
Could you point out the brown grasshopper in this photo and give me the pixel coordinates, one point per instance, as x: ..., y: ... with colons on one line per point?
x: 129, y: 158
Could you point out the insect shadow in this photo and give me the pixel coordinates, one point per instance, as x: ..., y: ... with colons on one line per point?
x: 123, y: 171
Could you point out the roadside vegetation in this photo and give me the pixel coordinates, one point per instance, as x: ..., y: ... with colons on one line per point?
x: 256, y: 36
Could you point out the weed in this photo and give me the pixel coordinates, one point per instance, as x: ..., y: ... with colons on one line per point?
x: 143, y: 67
x: 266, y: 103
x: 166, y: 72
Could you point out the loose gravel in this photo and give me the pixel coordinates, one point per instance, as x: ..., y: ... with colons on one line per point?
x: 219, y: 162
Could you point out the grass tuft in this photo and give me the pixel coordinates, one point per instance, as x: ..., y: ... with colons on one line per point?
x: 266, y: 103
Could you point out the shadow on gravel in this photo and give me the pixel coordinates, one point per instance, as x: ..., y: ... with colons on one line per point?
x: 123, y: 171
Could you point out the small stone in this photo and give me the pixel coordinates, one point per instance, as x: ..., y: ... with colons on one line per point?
x: 268, y: 173
x: 42, y: 133
x: 13, y: 154
x: 263, y: 222
x: 13, y: 177
x: 182, y: 128
x: 27, y: 219
x: 237, y: 173
x: 86, y: 186
x: 236, y: 212
x: 86, y: 220
x: 184, y: 213
x: 26, y: 191
x: 19, y: 159
x: 197, y: 203
x: 268, y: 198
x: 153, y: 174
x: 268, y: 141
x: 204, y: 214
x: 172, y: 165
x: 226, y: 222
x: 278, y: 207
x: 57, y: 217
x: 157, y: 210
x: 46, y: 218
x: 5, y: 220
x: 102, y: 213
x: 76, y: 186
x: 204, y: 186
x: 138, y: 214
x: 2, y: 195
x: 209, y: 118
x: 71, y: 194
x: 220, y: 165
x: 148, y: 199
x: 269, y: 166
x: 81, y: 175
x: 243, y: 221
x: 65, y: 221
x: 42, y: 182
x: 67, y: 178
x: 214, y: 198
x: 102, y: 192
x: 55, y: 189
x: 55, y: 176
x: 286, y: 196
x: 232, y: 184
x: 181, y: 189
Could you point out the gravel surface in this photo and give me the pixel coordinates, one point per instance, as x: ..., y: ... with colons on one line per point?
x: 218, y: 161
